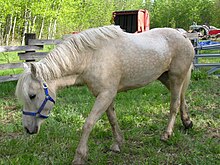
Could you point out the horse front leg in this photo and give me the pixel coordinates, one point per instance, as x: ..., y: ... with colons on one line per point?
x: 102, y: 102
x: 118, y: 136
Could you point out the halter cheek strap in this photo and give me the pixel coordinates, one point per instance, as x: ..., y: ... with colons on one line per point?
x: 47, y: 98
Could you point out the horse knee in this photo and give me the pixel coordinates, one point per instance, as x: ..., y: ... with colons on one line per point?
x: 88, y: 125
x: 175, y: 104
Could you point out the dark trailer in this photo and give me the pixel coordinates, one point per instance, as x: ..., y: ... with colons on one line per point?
x: 132, y: 21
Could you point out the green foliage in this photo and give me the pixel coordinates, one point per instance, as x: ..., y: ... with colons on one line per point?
x: 142, y: 115
x: 199, y: 74
x: 182, y: 13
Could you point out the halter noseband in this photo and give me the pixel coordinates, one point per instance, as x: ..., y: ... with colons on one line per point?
x: 47, y: 98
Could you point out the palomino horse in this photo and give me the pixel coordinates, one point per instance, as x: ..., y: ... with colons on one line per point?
x: 108, y: 61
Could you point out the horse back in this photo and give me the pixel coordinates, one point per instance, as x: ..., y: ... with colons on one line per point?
x: 146, y: 56
x: 135, y: 60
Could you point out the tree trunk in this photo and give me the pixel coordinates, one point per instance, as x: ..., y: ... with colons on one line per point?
x: 33, y: 24
x: 13, y: 29
x: 29, y: 21
x: 49, y: 30
x: 41, y: 29
x: 55, y: 20
x: 54, y: 29
x: 25, y: 27
x: 1, y: 34
x: 8, y: 29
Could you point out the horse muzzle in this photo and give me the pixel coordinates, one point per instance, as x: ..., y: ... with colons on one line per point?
x: 32, y: 131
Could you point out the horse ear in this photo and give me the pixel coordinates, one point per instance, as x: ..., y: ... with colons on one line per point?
x: 33, y: 69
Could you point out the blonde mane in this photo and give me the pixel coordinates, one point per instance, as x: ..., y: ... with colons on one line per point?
x: 65, y: 57
x: 22, y: 86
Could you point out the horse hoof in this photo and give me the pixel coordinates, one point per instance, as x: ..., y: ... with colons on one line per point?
x: 78, y: 160
x: 165, y: 137
x: 115, y: 148
x: 188, y: 124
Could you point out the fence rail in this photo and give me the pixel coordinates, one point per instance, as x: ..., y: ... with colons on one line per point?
x: 198, y: 55
x: 11, y: 66
x: 9, y: 78
x: 32, y: 56
x: 43, y: 42
x: 19, y: 48
x: 26, y: 53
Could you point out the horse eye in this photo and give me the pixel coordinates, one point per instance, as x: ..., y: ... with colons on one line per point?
x: 32, y: 96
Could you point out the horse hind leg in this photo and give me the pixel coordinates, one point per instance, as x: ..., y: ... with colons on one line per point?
x: 175, y: 85
x: 164, y: 79
x: 183, y: 106
x: 118, y: 136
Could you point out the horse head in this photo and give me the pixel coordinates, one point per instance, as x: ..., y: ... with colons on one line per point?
x: 36, y: 97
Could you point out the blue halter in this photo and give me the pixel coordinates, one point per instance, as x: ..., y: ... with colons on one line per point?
x: 47, y: 98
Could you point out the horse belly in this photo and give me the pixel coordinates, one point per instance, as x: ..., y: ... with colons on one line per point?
x: 139, y: 70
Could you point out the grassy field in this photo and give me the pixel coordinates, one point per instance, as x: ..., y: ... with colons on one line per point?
x: 142, y: 114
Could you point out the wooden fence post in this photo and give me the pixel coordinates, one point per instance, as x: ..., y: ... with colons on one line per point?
x: 27, y: 37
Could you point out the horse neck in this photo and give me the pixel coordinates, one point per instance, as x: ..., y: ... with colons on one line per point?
x: 65, y: 81
x: 61, y: 63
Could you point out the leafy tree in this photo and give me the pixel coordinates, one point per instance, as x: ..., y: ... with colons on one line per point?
x: 181, y: 13
x: 53, y: 18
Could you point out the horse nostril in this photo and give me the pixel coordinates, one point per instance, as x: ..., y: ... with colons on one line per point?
x: 27, y: 130
x: 36, y: 129
x: 31, y: 132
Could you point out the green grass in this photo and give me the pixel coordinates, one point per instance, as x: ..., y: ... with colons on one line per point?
x: 142, y: 115
x: 11, y: 57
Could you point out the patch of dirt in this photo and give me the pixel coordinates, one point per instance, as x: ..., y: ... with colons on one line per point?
x: 213, y: 133
x: 10, y: 108
x: 12, y: 135
x: 10, y: 115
